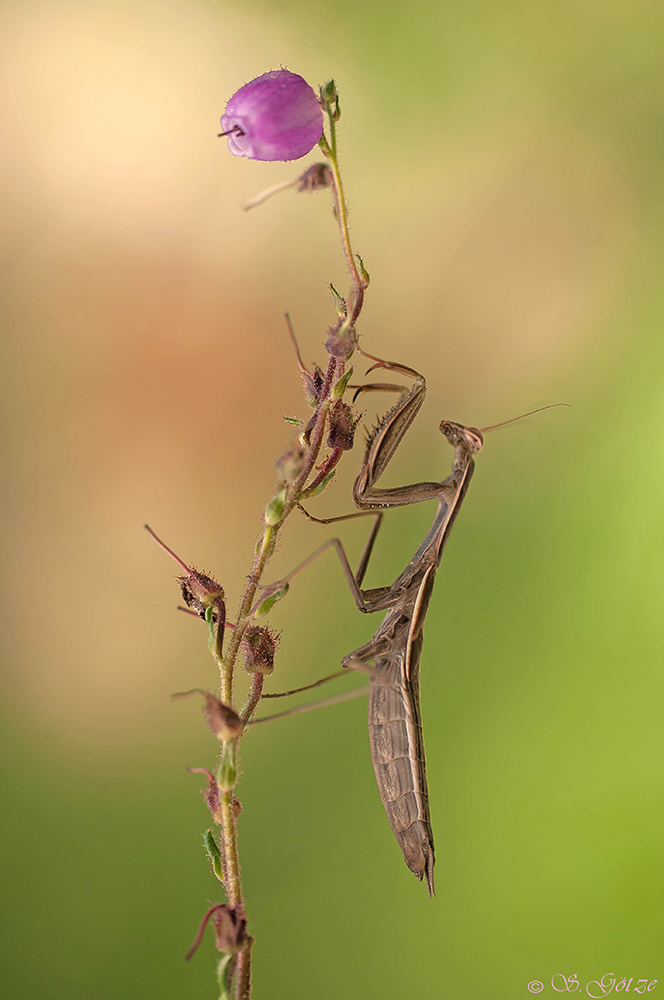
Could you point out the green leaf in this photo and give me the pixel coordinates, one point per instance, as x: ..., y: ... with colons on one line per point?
x: 340, y: 386
x: 363, y: 271
x: 213, y: 853
x: 268, y: 603
x: 339, y: 302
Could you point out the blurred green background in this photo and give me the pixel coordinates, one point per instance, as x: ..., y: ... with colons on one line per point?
x: 504, y: 171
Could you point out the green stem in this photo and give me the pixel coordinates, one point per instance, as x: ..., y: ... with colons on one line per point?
x: 243, y: 973
x: 222, y: 976
x: 342, y: 218
x: 229, y: 851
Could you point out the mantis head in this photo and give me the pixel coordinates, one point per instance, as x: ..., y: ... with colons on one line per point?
x: 469, y: 438
x: 472, y: 438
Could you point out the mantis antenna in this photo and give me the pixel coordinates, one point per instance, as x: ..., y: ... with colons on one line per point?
x: 539, y: 409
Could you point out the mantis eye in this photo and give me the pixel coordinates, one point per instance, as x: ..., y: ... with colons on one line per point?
x: 474, y: 438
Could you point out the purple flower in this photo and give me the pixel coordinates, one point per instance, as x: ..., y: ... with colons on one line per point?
x: 274, y: 117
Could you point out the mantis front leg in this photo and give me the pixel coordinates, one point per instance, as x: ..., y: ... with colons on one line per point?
x: 383, y: 442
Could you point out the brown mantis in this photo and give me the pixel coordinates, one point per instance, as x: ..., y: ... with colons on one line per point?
x: 395, y: 728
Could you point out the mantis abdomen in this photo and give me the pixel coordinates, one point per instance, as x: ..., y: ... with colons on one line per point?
x: 397, y: 752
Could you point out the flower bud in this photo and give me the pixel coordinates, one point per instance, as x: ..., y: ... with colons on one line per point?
x: 341, y: 384
x: 277, y: 116
x: 210, y: 793
x: 200, y: 591
x: 341, y: 340
x: 330, y: 98
x: 274, y: 512
x: 222, y: 719
x: 339, y: 302
x: 315, y: 177
x: 313, y: 385
x: 260, y: 645
x: 230, y: 930
x: 204, y: 596
x: 342, y: 426
x: 291, y: 463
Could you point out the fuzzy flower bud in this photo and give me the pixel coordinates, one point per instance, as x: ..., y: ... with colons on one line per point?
x: 277, y: 116
x: 222, y: 719
x: 210, y: 793
x: 200, y: 592
x: 315, y: 177
x: 313, y: 385
x: 342, y: 426
x: 230, y: 929
x: 274, y: 512
x: 259, y: 644
x: 341, y: 340
x: 291, y: 463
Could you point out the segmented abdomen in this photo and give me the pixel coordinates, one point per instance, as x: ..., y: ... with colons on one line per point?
x: 397, y: 752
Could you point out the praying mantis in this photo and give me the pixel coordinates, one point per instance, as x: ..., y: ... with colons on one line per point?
x: 395, y: 726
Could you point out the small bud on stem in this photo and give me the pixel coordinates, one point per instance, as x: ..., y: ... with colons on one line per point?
x: 341, y: 339
x: 223, y: 720
x: 210, y: 794
x: 202, y: 594
x: 342, y: 426
x: 274, y: 512
x: 260, y: 645
x: 290, y: 464
x: 230, y: 930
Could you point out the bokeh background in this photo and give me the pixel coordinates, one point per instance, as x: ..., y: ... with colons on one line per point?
x: 504, y: 170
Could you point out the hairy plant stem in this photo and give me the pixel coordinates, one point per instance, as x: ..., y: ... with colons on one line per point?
x: 229, y: 851
x: 342, y: 218
x: 243, y: 973
x: 264, y: 550
x: 255, y: 696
